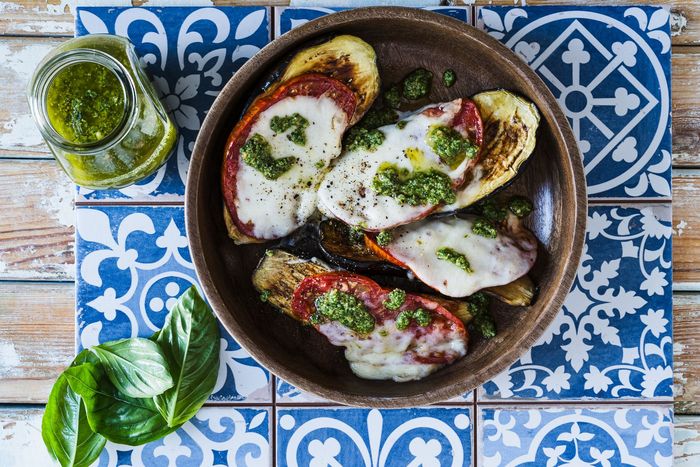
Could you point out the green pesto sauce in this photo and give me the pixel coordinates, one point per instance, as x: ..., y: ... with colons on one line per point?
x: 492, y: 211
x: 450, y: 145
x: 296, y: 122
x: 364, y: 139
x: 345, y: 309
x: 449, y: 77
x: 392, y: 97
x: 520, y: 206
x: 395, y: 299
x: 419, y: 315
x: 356, y: 235
x: 377, y: 117
x: 257, y: 153
x: 417, y: 84
x: 479, y: 309
x: 485, y: 228
x: 454, y: 257
x: 402, y: 124
x: 264, y: 295
x: 85, y: 103
x: 384, y: 238
x: 414, y: 188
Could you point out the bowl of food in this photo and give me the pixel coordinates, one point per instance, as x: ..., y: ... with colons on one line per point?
x: 385, y: 207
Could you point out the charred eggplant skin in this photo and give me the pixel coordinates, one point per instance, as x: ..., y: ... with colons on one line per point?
x: 346, y: 58
x: 510, y: 127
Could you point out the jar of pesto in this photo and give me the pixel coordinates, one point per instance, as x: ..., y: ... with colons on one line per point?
x: 99, y: 113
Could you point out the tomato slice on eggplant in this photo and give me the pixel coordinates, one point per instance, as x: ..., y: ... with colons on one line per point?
x: 308, y: 85
x: 388, y: 351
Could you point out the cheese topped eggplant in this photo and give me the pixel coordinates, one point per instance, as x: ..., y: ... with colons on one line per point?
x: 460, y: 256
x: 399, y: 173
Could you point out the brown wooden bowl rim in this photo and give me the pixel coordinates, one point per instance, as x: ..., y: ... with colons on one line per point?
x: 564, y: 269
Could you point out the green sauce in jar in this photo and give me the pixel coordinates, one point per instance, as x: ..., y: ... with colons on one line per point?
x: 99, y: 113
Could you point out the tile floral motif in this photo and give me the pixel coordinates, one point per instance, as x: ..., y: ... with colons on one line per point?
x: 214, y: 436
x: 287, y: 18
x: 612, y: 338
x: 189, y: 53
x: 630, y: 436
x: 132, y: 264
x: 609, y: 68
x: 373, y: 438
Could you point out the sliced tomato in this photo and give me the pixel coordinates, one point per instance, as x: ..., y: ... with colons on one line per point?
x: 468, y: 120
x: 373, y: 246
x: 311, y: 84
x: 371, y: 294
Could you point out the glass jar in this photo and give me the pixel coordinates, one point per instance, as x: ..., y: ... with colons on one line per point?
x: 99, y: 113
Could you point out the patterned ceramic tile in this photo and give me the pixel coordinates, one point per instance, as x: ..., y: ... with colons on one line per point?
x: 289, y: 394
x: 363, y: 437
x: 631, y: 436
x: 221, y: 436
x: 133, y: 262
x: 287, y: 18
x: 189, y: 54
x: 609, y: 68
x: 612, y: 339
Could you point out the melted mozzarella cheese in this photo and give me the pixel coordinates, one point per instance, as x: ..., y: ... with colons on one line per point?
x: 346, y: 191
x: 277, y: 207
x: 387, y: 353
x: 494, y: 261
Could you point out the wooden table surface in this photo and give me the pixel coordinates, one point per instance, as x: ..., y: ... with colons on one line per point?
x: 37, y: 313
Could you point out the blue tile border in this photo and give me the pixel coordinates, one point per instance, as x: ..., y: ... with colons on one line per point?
x: 604, y: 436
x: 189, y: 53
x: 349, y: 436
x: 143, y: 252
x: 610, y: 69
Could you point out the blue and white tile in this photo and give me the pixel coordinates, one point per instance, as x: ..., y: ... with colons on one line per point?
x: 290, y: 394
x: 132, y: 264
x: 287, y: 18
x: 613, y: 337
x: 189, y: 53
x: 214, y: 436
x: 371, y: 437
x: 609, y: 68
x: 529, y: 437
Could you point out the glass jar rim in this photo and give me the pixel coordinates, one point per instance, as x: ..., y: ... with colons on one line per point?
x: 44, y: 77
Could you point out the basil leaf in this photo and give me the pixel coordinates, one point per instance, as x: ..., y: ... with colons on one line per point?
x: 116, y: 416
x: 65, y: 428
x: 136, y: 367
x: 190, y: 341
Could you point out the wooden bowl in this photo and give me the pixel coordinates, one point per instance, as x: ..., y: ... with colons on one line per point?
x: 404, y: 39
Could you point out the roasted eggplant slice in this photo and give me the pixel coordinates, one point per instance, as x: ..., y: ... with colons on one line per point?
x: 346, y: 58
x: 510, y: 124
x: 520, y: 292
x: 280, y: 273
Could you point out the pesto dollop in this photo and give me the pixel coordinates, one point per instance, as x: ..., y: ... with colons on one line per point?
x: 345, y: 309
x: 297, y: 122
x: 392, y: 97
x: 485, y: 228
x: 384, y: 238
x: 85, y: 102
x: 417, y: 84
x: 419, y: 315
x: 264, y: 295
x: 257, y: 153
x: 492, y: 211
x: 449, y: 77
x: 395, y: 299
x: 450, y: 145
x: 479, y: 309
x: 377, y: 117
x: 401, y: 124
x: 414, y: 188
x: 362, y: 138
x: 454, y: 257
x: 520, y: 206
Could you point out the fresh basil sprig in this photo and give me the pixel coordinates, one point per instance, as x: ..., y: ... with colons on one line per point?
x: 133, y: 391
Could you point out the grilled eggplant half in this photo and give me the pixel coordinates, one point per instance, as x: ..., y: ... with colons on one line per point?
x: 346, y: 58
x: 510, y: 124
x: 279, y: 274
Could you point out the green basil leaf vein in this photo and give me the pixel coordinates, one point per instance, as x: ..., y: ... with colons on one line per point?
x: 114, y: 415
x: 65, y: 428
x: 190, y: 342
x: 136, y: 366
